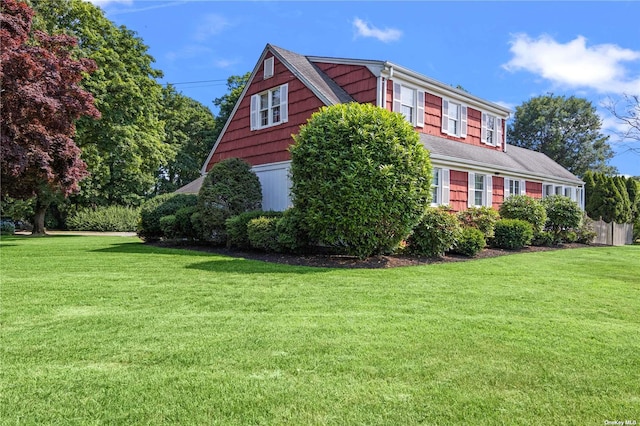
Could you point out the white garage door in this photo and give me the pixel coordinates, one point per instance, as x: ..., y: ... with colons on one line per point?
x: 276, y: 185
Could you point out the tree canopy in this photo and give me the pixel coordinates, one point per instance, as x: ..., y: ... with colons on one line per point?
x: 189, y: 133
x: 565, y: 129
x: 124, y: 150
x: 41, y: 100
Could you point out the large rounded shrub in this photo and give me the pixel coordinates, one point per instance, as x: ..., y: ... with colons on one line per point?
x: 230, y: 188
x: 436, y: 233
x: 149, y: 227
x: 524, y: 208
x: 481, y: 218
x: 563, y: 214
x: 471, y: 241
x: 361, y: 178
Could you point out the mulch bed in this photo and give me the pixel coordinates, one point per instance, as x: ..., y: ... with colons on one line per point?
x: 342, y: 261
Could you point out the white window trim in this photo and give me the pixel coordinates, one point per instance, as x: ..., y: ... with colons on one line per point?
x: 255, y: 108
x: 418, y: 106
x: 443, y: 196
x: 522, y: 186
x: 487, y: 195
x: 462, y: 119
x: 497, y: 130
x: 268, y: 68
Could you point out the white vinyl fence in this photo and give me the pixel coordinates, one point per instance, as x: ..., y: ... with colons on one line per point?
x: 613, y: 234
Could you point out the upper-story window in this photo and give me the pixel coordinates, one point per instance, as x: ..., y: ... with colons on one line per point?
x: 269, y: 108
x: 409, y: 102
x: 491, y: 130
x: 454, y: 118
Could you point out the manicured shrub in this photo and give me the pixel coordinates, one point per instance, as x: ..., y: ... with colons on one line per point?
x: 168, y: 226
x: 482, y: 218
x: 153, y: 210
x: 512, y: 234
x: 292, y: 235
x: 104, y: 219
x: 563, y: 214
x: 543, y: 239
x: 525, y: 208
x: 436, y: 233
x: 7, y: 227
x: 236, y: 227
x: 263, y: 234
x: 585, y: 232
x: 360, y: 178
x: 470, y: 242
x: 183, y: 225
x: 230, y: 188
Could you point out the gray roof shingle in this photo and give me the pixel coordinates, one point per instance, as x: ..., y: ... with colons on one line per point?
x: 324, y: 87
x: 515, y: 159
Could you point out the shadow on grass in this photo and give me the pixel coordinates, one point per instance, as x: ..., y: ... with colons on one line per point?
x: 221, y: 263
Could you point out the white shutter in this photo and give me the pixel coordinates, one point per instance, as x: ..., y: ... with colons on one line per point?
x: 488, y: 186
x: 284, y: 104
x: 523, y: 187
x: 397, y: 97
x: 420, y: 108
x: 483, y: 132
x: 463, y: 121
x: 268, y: 68
x: 255, y: 101
x: 506, y: 188
x: 498, y: 132
x: 445, y: 116
x: 471, y: 189
x: 445, y: 186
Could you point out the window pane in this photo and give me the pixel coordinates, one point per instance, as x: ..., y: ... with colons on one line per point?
x: 264, y: 101
x: 490, y: 137
x: 264, y: 118
x: 479, y: 182
x: 453, y: 126
x: 276, y: 114
x: 436, y: 177
x: 479, y: 198
x: 408, y: 96
x: 275, y: 97
x: 491, y: 122
x: 408, y: 113
x: 454, y: 110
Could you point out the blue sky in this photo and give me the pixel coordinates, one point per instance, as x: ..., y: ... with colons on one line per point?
x: 506, y: 52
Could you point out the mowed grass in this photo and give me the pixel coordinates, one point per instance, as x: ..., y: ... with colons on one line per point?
x: 106, y: 330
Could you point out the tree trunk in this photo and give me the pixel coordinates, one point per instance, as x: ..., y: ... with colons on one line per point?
x: 40, y: 209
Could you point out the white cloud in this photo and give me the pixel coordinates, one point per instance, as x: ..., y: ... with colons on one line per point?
x: 505, y: 104
x: 574, y: 64
x: 363, y: 29
x: 211, y: 25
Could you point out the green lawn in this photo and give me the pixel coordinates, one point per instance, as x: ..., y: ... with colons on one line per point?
x: 106, y: 330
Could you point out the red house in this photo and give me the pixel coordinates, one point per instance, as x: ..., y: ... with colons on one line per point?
x: 473, y: 166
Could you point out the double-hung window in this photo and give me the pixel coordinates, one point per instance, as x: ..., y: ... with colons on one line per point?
x: 454, y: 118
x: 440, y: 187
x: 409, y: 102
x: 514, y: 187
x: 491, y: 130
x: 269, y: 108
x: 480, y: 190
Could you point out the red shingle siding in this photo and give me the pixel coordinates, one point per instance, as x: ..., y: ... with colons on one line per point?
x: 356, y: 80
x: 534, y: 189
x: 459, y: 189
x: 498, y: 192
x: 271, y: 144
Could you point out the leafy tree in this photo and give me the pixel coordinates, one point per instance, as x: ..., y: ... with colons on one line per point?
x: 40, y: 103
x: 609, y: 198
x: 124, y: 150
x: 189, y: 132
x: 230, y: 188
x: 361, y: 179
x: 226, y: 103
x: 565, y: 129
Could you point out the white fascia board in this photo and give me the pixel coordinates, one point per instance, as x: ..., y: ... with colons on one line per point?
x: 444, y: 90
x: 477, y: 166
x: 272, y: 166
x: 203, y: 170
